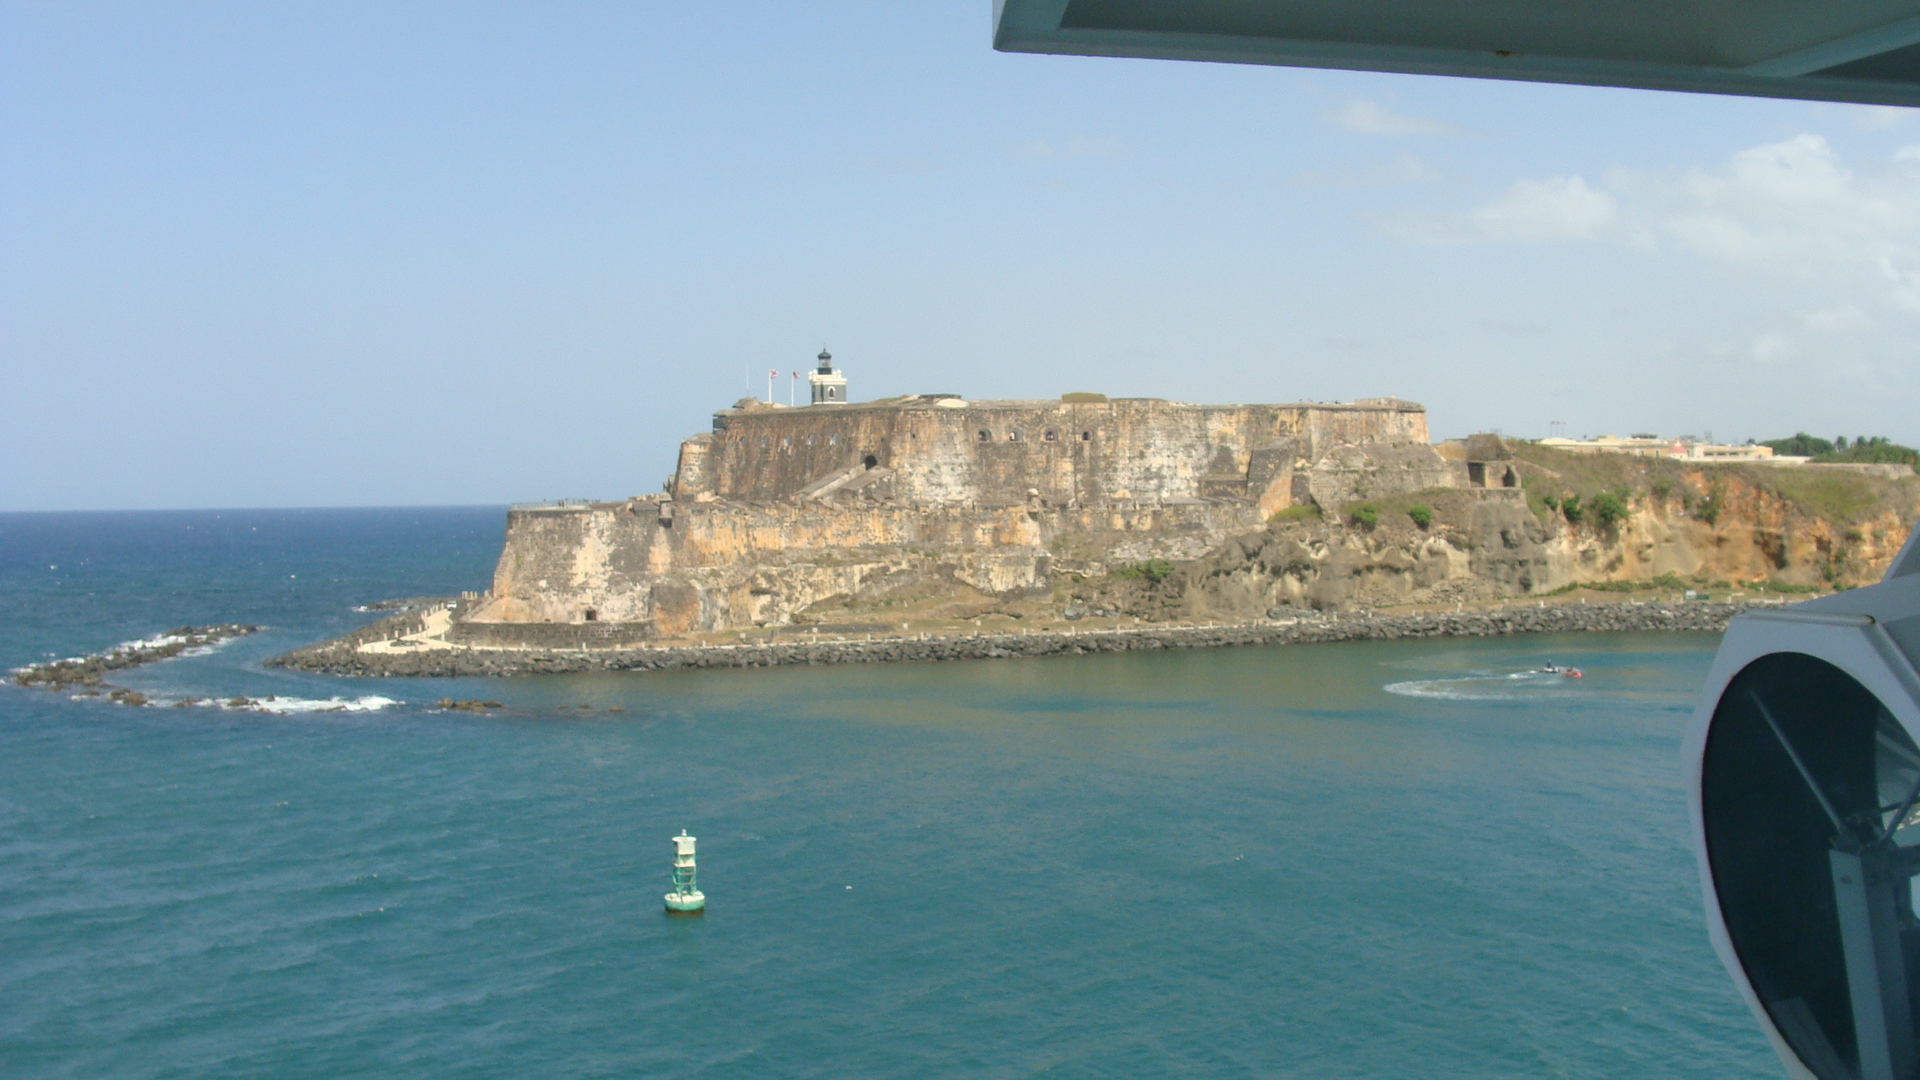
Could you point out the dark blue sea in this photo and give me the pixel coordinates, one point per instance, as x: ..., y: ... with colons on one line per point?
x: 1360, y: 860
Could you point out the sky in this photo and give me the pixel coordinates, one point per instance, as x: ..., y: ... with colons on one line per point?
x: 356, y: 254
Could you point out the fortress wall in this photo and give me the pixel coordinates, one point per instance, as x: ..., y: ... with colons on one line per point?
x: 994, y: 453
x: 769, y: 454
x: 727, y: 565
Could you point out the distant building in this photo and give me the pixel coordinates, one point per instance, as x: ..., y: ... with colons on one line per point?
x: 1682, y: 448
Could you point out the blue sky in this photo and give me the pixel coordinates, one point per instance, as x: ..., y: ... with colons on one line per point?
x: 360, y: 254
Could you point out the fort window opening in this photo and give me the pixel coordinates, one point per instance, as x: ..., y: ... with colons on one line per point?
x: 1013, y: 436
x: 592, y: 615
x: 1509, y: 480
x: 1086, y: 436
x: 870, y: 461
x: 986, y: 436
x: 833, y: 440
x: 764, y: 443
x: 786, y: 440
x: 1051, y: 435
x: 810, y: 439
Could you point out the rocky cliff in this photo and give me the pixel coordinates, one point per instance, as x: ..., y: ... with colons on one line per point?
x: 1570, y: 522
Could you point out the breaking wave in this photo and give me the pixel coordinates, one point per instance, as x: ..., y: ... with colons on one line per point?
x: 272, y: 703
x: 288, y: 705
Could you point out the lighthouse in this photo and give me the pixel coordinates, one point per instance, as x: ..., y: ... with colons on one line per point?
x: 686, y: 897
x: 828, y: 385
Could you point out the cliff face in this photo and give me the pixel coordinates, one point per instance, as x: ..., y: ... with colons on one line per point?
x: 1717, y: 525
x: 677, y: 570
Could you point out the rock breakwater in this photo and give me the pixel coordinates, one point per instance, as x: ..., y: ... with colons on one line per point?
x: 91, y: 670
x: 343, y: 657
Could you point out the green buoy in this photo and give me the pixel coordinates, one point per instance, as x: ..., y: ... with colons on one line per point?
x: 686, y: 897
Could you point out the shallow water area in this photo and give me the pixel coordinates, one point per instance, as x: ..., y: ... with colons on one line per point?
x: 1355, y: 860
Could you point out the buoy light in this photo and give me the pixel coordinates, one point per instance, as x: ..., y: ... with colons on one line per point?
x: 686, y: 897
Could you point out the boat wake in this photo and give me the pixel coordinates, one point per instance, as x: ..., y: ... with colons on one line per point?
x: 1489, y: 686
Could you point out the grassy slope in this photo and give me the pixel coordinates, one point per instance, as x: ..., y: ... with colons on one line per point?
x: 1836, y: 495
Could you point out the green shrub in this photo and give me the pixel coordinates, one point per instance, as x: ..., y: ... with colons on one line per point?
x: 1153, y: 571
x: 1421, y: 513
x: 1299, y: 512
x: 1662, y: 487
x: 1609, y: 508
x: 1709, y: 507
x: 1571, y: 509
x: 1366, y: 515
x: 1802, y: 445
x: 1872, y: 450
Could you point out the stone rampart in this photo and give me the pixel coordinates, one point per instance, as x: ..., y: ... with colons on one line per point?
x: 947, y: 451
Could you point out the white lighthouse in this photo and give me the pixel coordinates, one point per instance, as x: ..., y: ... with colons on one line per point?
x: 686, y: 897
x: 829, y: 386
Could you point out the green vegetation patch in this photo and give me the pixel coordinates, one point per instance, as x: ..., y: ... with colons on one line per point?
x: 1423, y: 510
x: 1298, y: 512
x: 1838, y: 496
x: 1801, y: 445
x: 1153, y: 571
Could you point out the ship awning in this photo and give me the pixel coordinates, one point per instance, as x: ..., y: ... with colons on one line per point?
x: 1865, y: 51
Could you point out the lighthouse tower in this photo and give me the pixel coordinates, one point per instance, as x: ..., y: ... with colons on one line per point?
x: 829, y: 386
x: 686, y: 897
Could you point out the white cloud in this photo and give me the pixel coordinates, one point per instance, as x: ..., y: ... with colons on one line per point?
x: 1772, y: 348
x: 1371, y: 118
x: 1845, y: 319
x: 1558, y: 208
x: 1792, y: 209
x: 1879, y: 117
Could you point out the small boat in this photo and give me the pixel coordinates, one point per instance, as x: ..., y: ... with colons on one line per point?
x: 1551, y: 668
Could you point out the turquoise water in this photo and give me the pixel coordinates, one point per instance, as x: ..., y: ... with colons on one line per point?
x: 1365, y: 860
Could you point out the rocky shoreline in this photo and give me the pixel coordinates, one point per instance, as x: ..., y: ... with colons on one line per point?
x: 343, y: 656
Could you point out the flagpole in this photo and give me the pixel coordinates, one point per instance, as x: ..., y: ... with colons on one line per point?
x: 770, y: 375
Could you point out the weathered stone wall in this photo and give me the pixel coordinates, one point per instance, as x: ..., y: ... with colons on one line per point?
x: 686, y: 566
x: 998, y: 452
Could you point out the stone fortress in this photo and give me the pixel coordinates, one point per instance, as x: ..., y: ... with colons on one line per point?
x: 778, y: 509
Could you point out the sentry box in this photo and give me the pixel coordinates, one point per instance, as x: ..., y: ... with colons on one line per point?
x: 1806, y: 818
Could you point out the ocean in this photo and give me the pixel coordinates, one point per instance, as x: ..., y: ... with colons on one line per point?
x: 1397, y: 859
